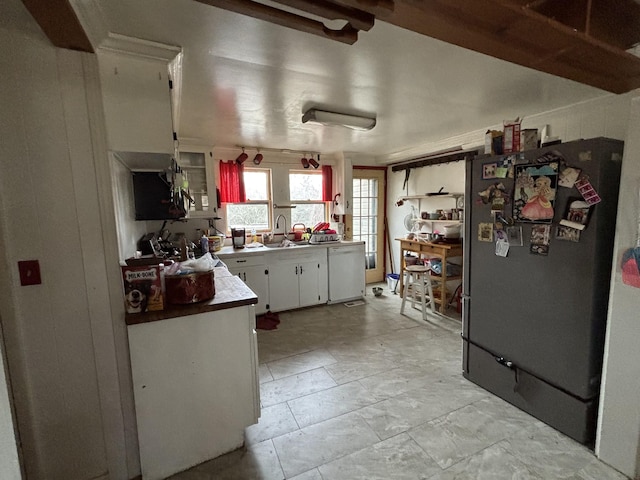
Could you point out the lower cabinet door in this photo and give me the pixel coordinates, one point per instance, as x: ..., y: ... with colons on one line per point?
x: 283, y: 286
x: 258, y: 281
x: 309, y: 283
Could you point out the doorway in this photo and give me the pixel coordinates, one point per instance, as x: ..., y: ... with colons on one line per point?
x: 368, y: 218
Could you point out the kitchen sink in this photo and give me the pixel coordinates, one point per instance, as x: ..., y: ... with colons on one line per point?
x: 288, y: 245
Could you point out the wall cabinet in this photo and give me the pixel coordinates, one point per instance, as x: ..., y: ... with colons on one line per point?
x: 137, y: 103
x: 253, y: 271
x: 297, y: 279
x: 196, y: 163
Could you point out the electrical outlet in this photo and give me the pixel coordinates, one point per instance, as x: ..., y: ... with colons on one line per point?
x: 29, y: 272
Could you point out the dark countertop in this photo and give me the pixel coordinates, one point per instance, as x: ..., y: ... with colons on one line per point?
x: 230, y: 292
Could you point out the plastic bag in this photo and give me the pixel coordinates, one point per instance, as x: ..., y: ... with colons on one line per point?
x: 203, y: 264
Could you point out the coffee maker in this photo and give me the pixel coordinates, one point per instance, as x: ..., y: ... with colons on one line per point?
x: 238, y: 237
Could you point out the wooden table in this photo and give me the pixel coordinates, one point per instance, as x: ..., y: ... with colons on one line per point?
x: 443, y: 251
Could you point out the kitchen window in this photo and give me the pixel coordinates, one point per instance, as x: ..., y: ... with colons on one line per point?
x: 305, y: 193
x: 254, y: 213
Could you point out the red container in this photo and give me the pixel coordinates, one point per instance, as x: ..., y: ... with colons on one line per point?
x: 191, y: 288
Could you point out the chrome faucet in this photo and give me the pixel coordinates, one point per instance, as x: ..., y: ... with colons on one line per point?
x: 284, y: 227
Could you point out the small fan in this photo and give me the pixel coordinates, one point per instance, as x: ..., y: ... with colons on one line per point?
x: 410, y: 220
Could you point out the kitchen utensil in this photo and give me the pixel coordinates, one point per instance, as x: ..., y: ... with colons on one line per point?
x: 238, y: 237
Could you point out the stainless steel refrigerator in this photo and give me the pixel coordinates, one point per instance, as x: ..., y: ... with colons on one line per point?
x: 534, y: 321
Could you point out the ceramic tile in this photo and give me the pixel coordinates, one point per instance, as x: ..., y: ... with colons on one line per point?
x: 400, y: 413
x: 348, y: 369
x: 264, y: 373
x: 466, y: 431
x: 397, y: 458
x: 548, y: 452
x: 323, y: 442
x: 596, y: 470
x: 288, y: 388
x: 310, y: 475
x: 300, y: 363
x: 274, y: 421
x: 330, y: 403
x: 399, y: 380
x: 492, y: 463
x: 257, y: 462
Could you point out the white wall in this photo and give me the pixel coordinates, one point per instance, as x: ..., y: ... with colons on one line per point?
x: 421, y: 180
x: 619, y: 420
x: 59, y: 335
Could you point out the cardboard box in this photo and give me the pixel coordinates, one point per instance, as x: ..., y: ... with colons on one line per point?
x: 528, y: 139
x: 493, y: 142
x: 511, y: 139
x: 142, y: 288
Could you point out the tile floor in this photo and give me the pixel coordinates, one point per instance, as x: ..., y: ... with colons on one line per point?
x: 362, y: 392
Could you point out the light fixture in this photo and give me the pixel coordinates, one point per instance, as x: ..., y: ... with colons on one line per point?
x: 304, y: 161
x: 258, y: 158
x: 242, y: 157
x: 313, y: 163
x: 333, y: 118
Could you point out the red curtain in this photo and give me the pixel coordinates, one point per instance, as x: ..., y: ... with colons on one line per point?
x: 232, y: 182
x: 327, y: 180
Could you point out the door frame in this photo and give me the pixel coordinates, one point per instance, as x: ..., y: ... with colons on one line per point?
x: 383, y: 202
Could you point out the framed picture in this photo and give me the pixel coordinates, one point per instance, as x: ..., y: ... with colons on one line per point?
x: 489, y: 170
x: 535, y: 192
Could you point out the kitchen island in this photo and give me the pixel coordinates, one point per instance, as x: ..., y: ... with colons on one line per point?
x: 195, y: 378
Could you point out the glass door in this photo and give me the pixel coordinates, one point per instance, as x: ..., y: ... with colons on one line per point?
x: 368, y: 218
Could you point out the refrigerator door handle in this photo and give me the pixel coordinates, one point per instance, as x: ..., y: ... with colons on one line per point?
x: 465, y: 314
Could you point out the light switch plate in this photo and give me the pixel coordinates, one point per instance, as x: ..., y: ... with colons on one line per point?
x: 29, y: 272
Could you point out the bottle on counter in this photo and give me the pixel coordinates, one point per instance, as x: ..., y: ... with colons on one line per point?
x: 204, y: 244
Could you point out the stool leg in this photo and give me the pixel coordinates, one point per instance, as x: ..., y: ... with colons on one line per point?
x: 432, y: 303
x: 405, y: 291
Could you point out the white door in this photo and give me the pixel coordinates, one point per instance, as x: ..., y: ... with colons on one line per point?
x: 257, y: 280
x: 368, y: 218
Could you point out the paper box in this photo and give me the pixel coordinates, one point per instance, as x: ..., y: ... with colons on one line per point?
x: 511, y: 139
x: 142, y: 288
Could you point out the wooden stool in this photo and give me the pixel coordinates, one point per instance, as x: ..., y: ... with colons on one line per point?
x: 417, y: 282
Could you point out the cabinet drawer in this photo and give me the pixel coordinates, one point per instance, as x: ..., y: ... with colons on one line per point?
x: 248, y: 261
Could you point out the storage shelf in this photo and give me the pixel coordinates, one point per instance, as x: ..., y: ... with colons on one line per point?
x: 420, y: 220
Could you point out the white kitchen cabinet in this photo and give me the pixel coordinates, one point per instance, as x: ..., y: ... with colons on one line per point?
x: 297, y: 279
x: 137, y: 103
x: 253, y: 271
x: 195, y: 385
x: 196, y: 163
x: 346, y: 272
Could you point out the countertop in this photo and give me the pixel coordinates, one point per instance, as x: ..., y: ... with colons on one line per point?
x: 229, y: 251
x: 230, y: 292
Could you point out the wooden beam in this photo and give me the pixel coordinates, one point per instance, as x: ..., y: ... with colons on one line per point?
x: 331, y: 11
x: 348, y: 34
x: 508, y: 30
x: 59, y: 23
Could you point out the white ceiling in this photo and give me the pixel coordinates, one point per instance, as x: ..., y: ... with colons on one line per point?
x: 247, y: 82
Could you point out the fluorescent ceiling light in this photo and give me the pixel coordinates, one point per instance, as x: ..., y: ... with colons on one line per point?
x: 332, y: 118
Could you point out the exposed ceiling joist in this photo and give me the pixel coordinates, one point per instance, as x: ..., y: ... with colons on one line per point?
x: 326, y: 9
x: 59, y: 22
x: 511, y: 31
